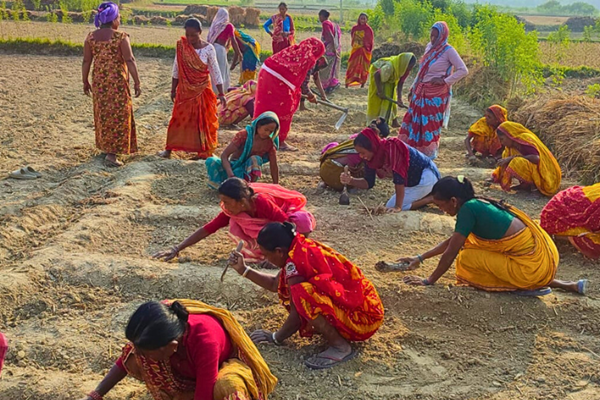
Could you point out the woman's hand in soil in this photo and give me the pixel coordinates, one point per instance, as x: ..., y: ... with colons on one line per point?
x: 413, y: 280
x: 167, y: 255
x: 237, y: 262
x: 413, y: 262
x: 345, y: 178
x: 87, y: 88
x: 262, y: 336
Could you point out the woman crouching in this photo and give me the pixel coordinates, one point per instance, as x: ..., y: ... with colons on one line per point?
x: 496, y: 247
x: 322, y: 290
x: 184, y: 350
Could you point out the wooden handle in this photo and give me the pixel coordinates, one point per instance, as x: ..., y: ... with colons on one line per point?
x: 345, y: 169
x: 239, y: 248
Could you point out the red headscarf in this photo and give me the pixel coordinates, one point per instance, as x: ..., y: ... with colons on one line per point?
x: 294, y: 62
x: 390, y: 152
x: 368, y: 38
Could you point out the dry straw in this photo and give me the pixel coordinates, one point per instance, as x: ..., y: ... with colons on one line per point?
x: 570, y: 127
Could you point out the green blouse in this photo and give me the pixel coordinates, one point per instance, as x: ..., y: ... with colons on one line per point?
x: 483, y: 219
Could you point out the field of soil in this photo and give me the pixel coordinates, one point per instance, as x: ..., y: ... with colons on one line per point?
x: 76, y: 246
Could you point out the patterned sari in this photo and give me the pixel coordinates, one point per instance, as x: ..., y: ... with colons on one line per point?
x: 360, y: 55
x: 247, y: 165
x: 546, y: 176
x: 333, y: 287
x: 331, y: 37
x: 237, y: 98
x: 113, y: 108
x: 280, y: 79
x: 575, y: 213
x: 526, y: 260
x: 194, y: 124
x: 280, y: 43
x: 250, y: 56
x: 429, y: 104
x: 244, y: 377
x: 483, y: 137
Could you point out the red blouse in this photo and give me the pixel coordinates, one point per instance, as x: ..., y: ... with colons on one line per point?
x: 207, y: 346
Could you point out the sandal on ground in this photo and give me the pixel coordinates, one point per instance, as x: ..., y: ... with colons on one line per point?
x: 288, y: 148
x: 33, y: 172
x: 582, y: 286
x: 533, y: 293
x: 113, y: 164
x: 22, y: 174
x: 164, y: 154
x: 331, y: 361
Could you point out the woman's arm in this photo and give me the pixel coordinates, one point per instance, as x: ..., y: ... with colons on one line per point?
x: 265, y: 281
x: 291, y: 325
x: 319, y: 85
x: 361, y: 183
x: 273, y: 166
x: 131, y: 65
x: 236, y: 49
x: 229, y: 150
x: 266, y: 26
x: 114, y: 376
x: 400, y: 191
x: 174, y: 84
x: 452, y: 248
x: 86, y: 66
x: 468, y: 145
x: 460, y: 69
x: 532, y: 158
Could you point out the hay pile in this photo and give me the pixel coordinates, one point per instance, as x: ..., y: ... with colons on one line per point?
x: 252, y: 17
x: 210, y: 13
x: 576, y: 24
x: 570, y: 127
x: 236, y: 15
x: 392, y: 49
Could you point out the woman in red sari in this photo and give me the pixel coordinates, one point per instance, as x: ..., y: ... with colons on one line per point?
x: 322, y: 290
x: 194, y: 123
x: 247, y: 208
x: 281, y: 83
x: 283, y: 29
x: 361, y: 54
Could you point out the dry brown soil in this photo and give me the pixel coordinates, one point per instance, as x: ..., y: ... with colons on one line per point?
x: 75, y: 261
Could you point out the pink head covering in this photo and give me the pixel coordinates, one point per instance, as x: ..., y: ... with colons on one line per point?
x: 218, y: 25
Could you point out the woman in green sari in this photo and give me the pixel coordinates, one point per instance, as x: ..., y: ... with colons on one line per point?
x: 247, y: 152
x: 386, y: 80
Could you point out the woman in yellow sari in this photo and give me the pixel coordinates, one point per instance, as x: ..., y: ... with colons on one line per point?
x: 482, y: 136
x: 574, y: 214
x: 188, y: 350
x: 386, y: 80
x: 496, y: 247
x: 359, y: 62
x: 526, y: 159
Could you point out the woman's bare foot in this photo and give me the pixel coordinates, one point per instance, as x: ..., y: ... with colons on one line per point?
x: 331, y: 357
x: 287, y: 147
x: 396, y: 123
x: 522, y: 186
x: 164, y: 154
x: 111, y: 160
x: 302, y: 107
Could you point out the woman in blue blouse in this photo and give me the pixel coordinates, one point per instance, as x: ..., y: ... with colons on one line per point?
x: 283, y: 29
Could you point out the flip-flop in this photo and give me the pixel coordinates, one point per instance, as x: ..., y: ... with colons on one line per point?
x: 582, y: 286
x: 334, y: 361
x: 533, y: 293
x: 33, y: 172
x: 22, y: 174
x: 112, y: 164
x: 289, y: 148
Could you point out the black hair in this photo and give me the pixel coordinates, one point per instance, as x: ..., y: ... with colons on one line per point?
x: 324, y: 13
x: 154, y: 325
x: 363, y: 141
x: 277, y: 234
x: 382, y: 126
x: 365, y: 14
x: 193, y: 23
x: 462, y: 189
x: 266, y: 121
x: 236, y: 188
x: 282, y: 4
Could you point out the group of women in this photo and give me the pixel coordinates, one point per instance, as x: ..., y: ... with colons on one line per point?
x: 185, y: 349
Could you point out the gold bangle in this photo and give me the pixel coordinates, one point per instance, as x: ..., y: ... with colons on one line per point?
x: 248, y: 269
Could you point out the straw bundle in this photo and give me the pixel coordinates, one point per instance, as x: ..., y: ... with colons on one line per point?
x: 236, y: 15
x: 252, y: 17
x: 570, y: 127
x: 210, y: 13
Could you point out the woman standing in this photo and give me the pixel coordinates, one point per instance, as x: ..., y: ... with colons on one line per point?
x: 185, y: 349
x: 361, y: 53
x: 240, y: 104
x: 322, y: 291
x: 282, y: 81
x: 247, y: 208
x: 431, y: 92
x: 250, y: 49
x: 221, y: 35
x: 110, y: 51
x: 331, y: 37
x: 386, y: 81
x: 574, y: 214
x: 283, y: 29
x: 482, y: 137
x: 496, y: 247
x: 194, y: 123
x: 412, y: 172
x: 526, y: 159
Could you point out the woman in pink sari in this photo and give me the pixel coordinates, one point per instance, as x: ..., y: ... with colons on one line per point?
x: 247, y: 208
x: 331, y: 37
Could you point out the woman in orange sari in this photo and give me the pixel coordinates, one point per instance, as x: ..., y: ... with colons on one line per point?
x: 526, y: 159
x: 574, y: 214
x: 282, y: 81
x: 361, y: 54
x: 321, y: 289
x: 194, y: 123
x: 283, y: 29
x: 482, y: 136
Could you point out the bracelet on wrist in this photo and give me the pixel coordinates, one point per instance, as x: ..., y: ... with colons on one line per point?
x: 421, y: 259
x: 95, y: 395
x: 248, y: 269
x: 220, y: 95
x: 426, y: 282
x: 277, y: 342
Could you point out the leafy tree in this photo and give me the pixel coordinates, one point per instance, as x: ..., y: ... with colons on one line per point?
x: 387, y: 6
x: 588, y: 32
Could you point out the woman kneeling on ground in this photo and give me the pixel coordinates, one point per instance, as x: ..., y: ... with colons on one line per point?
x: 249, y: 150
x: 482, y: 137
x: 413, y: 173
x: 247, y: 208
x: 322, y: 290
x: 184, y: 350
x: 496, y: 247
